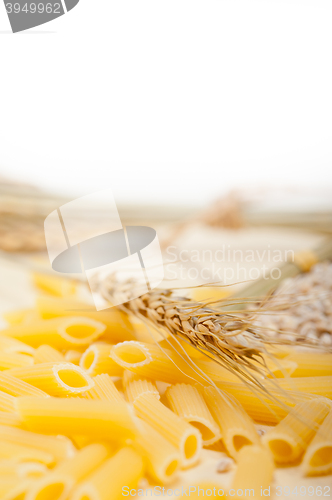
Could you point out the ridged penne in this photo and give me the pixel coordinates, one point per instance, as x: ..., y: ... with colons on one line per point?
x: 318, y: 457
x: 18, y: 452
x: 16, y: 387
x: 125, y: 468
x: 118, y: 326
x: 186, y: 438
x: 47, y: 354
x: 58, y: 446
x: 96, y: 360
x: 7, y: 402
x: 10, y: 360
x: 55, y: 285
x: 75, y: 416
x: 311, y: 364
x: 254, y: 471
x: 8, y: 344
x: 163, y: 459
x: 58, y: 483
x: 321, y: 386
x: 56, y: 379
x: 237, y: 428
x: 188, y: 403
x: 290, y: 438
x: 61, y: 333
x: 104, y: 389
x: 135, y: 386
x: 11, y: 419
x: 150, y: 361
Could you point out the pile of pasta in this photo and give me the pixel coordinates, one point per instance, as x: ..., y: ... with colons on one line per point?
x: 90, y: 403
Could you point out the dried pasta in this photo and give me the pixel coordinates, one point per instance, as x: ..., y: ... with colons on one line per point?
x: 96, y: 360
x: 254, y: 471
x: 15, y: 387
x: 318, y: 457
x: 135, y: 386
x: 47, y: 354
x: 104, y: 389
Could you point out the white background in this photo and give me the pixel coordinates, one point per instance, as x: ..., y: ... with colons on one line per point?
x: 170, y: 101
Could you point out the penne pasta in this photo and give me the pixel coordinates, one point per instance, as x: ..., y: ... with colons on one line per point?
x: 18, y: 452
x: 7, y: 402
x: 318, y: 457
x: 163, y: 459
x: 16, y: 387
x: 321, y: 386
x: 125, y: 468
x: 47, y: 354
x: 96, y: 360
x: 150, y: 361
x: 73, y: 356
x: 8, y: 344
x: 17, y: 316
x: 135, y: 386
x: 117, y: 324
x: 254, y: 472
x: 187, y: 402
x: 10, y: 360
x: 104, y: 389
x: 56, y: 379
x: 290, y: 438
x: 311, y: 364
x: 58, y: 483
x: 10, y: 419
x: 186, y: 438
x: 237, y: 428
x: 75, y: 416
x: 58, y: 446
x: 55, y: 285
x: 61, y: 333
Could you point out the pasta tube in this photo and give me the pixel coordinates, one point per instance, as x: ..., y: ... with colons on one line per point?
x: 290, y: 438
x: 321, y: 386
x: 311, y: 364
x: 118, y: 326
x: 135, y: 386
x: 59, y: 482
x: 55, y: 285
x: 19, y: 452
x: 237, y: 428
x: 58, y: 446
x: 10, y: 360
x: 7, y: 402
x: 187, y: 402
x: 104, y: 389
x: 10, y: 419
x: 254, y: 471
x: 16, y: 387
x: 8, y: 344
x: 96, y: 360
x: 318, y: 457
x: 150, y: 361
x: 47, y: 354
x: 61, y: 333
x: 73, y: 356
x: 163, y: 459
x: 57, y: 379
x: 186, y: 438
x: 125, y: 468
x: 75, y: 416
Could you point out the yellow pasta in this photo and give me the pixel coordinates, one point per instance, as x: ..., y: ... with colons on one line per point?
x: 56, y: 379
x: 163, y: 459
x: 318, y: 457
x: 10, y: 419
x: 254, y: 472
x: 186, y: 438
x: 135, y: 386
x: 311, y: 364
x: 187, y: 402
x: 21, y: 468
x: 8, y: 344
x: 237, y: 428
x: 19, y: 490
x: 321, y: 386
x: 7, y: 402
x: 118, y: 326
x: 18, y: 452
x: 125, y: 468
x: 16, y: 317
x: 59, y: 447
x: 150, y: 361
x: 16, y: 387
x: 55, y: 285
x: 96, y: 360
x: 75, y: 416
x: 290, y: 438
x: 73, y: 356
x: 60, y: 481
x: 61, y: 333
x: 104, y: 389
x: 47, y: 354
x: 10, y: 360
